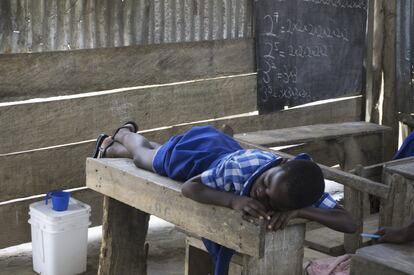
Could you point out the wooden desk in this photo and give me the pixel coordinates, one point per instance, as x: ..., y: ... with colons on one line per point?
x: 133, y: 194
x: 384, y: 259
x: 399, y: 208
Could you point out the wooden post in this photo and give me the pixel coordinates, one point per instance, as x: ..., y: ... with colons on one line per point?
x: 123, y: 249
x: 283, y: 253
x: 392, y: 210
x: 374, y: 61
x: 389, y: 117
x: 357, y: 202
x: 197, y: 261
x: 354, y: 203
x: 409, y: 205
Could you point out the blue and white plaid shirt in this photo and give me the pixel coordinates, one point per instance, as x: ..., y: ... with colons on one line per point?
x: 232, y: 173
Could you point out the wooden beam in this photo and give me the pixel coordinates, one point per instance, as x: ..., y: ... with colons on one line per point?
x: 38, y: 171
x: 34, y: 75
x: 64, y: 120
x: 14, y: 217
x: 374, y: 60
x: 389, y: 114
x: 122, y: 180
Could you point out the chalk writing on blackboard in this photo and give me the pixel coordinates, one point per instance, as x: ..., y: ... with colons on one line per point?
x: 308, y: 50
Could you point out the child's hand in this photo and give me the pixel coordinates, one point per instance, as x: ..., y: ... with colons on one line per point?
x: 279, y: 220
x: 392, y: 235
x: 249, y: 206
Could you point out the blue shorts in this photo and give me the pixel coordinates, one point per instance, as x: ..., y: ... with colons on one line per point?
x: 185, y: 156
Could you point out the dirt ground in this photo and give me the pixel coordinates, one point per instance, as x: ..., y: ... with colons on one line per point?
x: 166, y: 252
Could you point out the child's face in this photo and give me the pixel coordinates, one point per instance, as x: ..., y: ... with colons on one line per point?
x: 270, y: 188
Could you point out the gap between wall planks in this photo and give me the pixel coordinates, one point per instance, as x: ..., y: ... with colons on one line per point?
x: 47, y: 74
x: 38, y: 171
x: 14, y: 217
x: 63, y: 121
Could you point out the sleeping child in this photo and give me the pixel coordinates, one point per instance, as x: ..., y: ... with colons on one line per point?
x: 216, y: 170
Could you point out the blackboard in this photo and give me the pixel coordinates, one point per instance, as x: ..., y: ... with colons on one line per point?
x: 308, y: 50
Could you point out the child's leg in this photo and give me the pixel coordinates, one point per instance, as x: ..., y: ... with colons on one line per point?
x: 141, y: 150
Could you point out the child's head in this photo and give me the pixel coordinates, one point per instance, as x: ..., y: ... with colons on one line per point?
x: 292, y: 185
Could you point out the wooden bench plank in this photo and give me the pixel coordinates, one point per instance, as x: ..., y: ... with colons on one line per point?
x: 303, y: 134
x: 389, y: 259
x: 122, y: 180
x: 34, y: 75
x: 36, y: 172
x: 66, y: 120
x: 404, y: 167
x: 15, y: 216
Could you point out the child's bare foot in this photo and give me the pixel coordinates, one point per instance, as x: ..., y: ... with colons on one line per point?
x: 117, y: 150
x: 127, y: 128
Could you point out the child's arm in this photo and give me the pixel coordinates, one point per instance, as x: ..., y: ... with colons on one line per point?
x: 197, y: 191
x: 396, y: 235
x: 337, y: 218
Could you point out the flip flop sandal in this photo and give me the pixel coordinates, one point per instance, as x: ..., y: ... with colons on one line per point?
x: 99, y: 151
x: 102, y: 150
x: 126, y: 127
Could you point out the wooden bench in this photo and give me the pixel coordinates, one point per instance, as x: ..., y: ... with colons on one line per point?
x: 147, y: 193
x: 384, y: 259
x: 399, y: 176
x: 134, y: 194
x: 346, y: 144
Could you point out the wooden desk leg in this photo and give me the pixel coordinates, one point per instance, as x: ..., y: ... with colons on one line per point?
x: 363, y: 150
x: 283, y: 253
x: 197, y: 262
x: 123, y: 249
x: 393, y: 209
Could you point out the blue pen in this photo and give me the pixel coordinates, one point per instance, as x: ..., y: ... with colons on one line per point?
x: 372, y: 236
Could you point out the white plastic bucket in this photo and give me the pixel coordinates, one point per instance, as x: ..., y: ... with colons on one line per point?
x: 59, y: 239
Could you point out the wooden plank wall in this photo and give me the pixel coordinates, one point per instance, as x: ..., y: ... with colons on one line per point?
x: 25, y: 76
x: 47, y: 25
x: 69, y: 97
x: 38, y: 171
